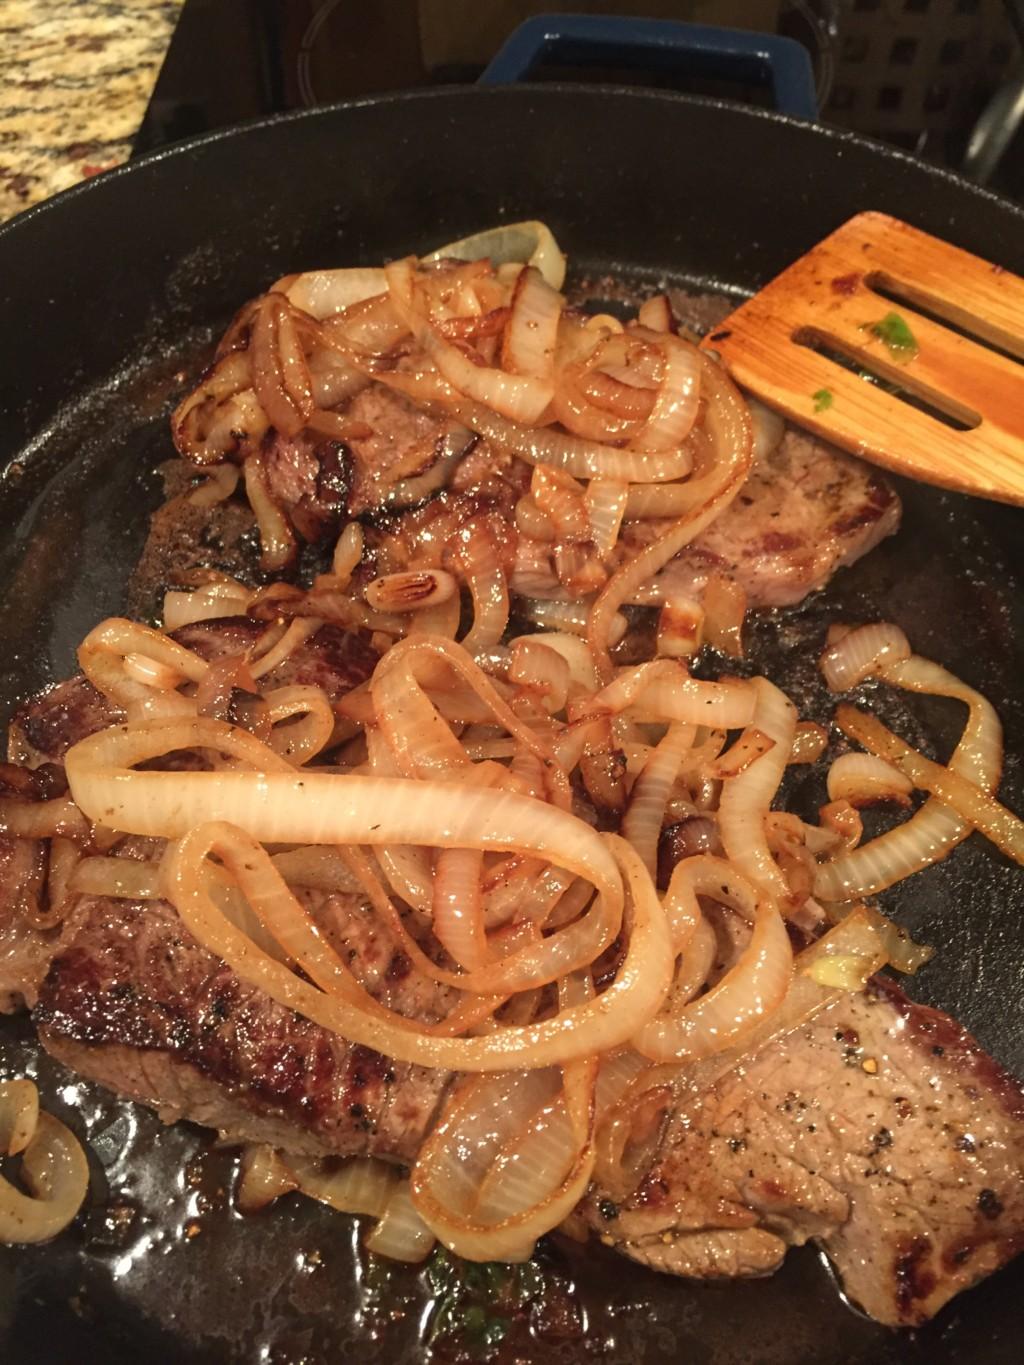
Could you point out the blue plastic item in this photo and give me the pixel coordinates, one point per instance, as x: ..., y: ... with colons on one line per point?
x: 663, y: 45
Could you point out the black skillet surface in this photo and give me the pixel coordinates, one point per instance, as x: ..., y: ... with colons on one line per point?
x: 105, y: 294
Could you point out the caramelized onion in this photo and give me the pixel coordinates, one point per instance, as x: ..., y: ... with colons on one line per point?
x: 677, y: 398
x: 751, y: 989
x: 725, y: 605
x: 605, y: 502
x: 410, y: 591
x: 933, y: 831
x: 311, y: 808
x: 862, y: 652
x: 1005, y: 829
x: 53, y: 1167
x: 680, y: 629
x: 528, y: 346
x: 531, y: 243
x: 322, y: 293
x: 401, y: 1234
x: 581, y: 458
x: 644, y: 816
x: 263, y: 1177
x: 280, y: 374
x: 655, y: 313
x: 277, y: 542
x: 729, y: 426
x: 747, y: 797
x: 863, y: 779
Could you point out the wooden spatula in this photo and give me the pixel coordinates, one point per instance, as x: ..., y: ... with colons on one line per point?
x: 894, y: 304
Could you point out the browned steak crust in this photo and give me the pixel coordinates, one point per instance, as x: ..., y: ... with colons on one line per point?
x: 879, y: 1129
x: 133, y: 1001
x: 805, y: 511
x: 333, y: 659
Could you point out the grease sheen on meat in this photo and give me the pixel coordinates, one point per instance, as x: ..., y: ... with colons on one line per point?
x: 805, y: 511
x: 879, y: 1129
x: 134, y: 1002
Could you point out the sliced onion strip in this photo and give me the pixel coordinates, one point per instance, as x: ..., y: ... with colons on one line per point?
x: 644, y: 816
x: 751, y: 989
x: 746, y: 797
x: 863, y: 779
x: 528, y: 346
x: 531, y: 243
x: 728, y: 424
x: 933, y: 831
x: 987, y: 815
x: 53, y: 1167
x: 862, y: 652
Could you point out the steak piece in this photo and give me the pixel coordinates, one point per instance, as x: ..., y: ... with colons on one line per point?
x: 185, y: 536
x: 25, y: 951
x: 879, y: 1129
x: 135, y: 1003
x: 805, y: 511
x: 307, y: 478
x: 404, y: 440
x: 60, y: 716
x: 333, y: 659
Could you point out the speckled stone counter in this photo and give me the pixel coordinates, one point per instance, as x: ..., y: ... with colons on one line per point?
x: 75, y: 77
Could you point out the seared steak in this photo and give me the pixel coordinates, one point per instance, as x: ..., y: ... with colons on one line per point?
x: 61, y: 715
x: 804, y: 512
x: 334, y: 659
x: 134, y: 1002
x: 306, y: 476
x: 879, y: 1129
x: 403, y: 441
x: 25, y: 951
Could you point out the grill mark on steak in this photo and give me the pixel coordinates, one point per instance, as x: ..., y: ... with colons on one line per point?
x: 900, y: 1154
x: 134, y: 1002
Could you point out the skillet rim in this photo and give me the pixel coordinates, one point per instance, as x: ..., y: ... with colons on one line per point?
x: 841, y: 137
x: 946, y: 182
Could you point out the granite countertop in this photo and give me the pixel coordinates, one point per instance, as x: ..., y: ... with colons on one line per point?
x: 75, y: 78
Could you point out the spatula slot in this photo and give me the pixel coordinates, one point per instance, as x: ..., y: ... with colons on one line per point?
x: 938, y: 406
x: 948, y: 314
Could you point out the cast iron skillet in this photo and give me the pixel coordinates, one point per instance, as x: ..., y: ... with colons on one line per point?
x: 106, y: 292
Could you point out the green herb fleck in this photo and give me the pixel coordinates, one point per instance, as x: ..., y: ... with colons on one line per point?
x: 897, y: 336
x: 483, y: 1331
x: 822, y: 399
x: 529, y: 1283
x: 477, y: 1305
x: 442, y: 1274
